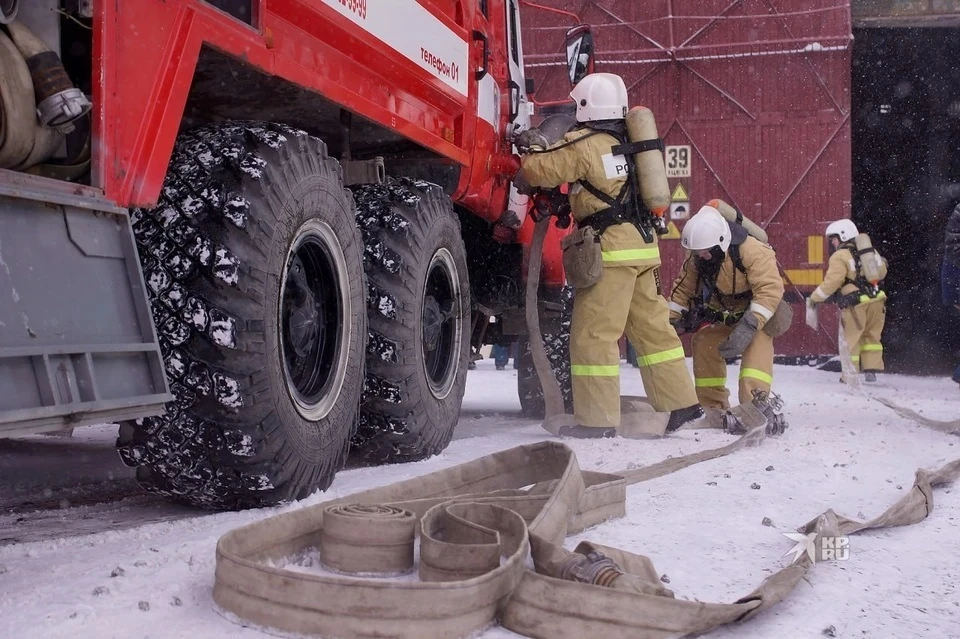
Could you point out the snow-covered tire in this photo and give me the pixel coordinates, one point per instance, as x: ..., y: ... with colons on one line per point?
x: 557, y: 346
x: 418, y: 308
x: 253, y: 264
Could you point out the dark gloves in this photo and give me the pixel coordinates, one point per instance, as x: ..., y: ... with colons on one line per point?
x: 531, y: 139
x: 523, y: 186
x: 681, y: 323
x: 741, y: 336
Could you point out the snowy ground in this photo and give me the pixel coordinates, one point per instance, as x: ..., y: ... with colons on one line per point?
x: 147, y: 568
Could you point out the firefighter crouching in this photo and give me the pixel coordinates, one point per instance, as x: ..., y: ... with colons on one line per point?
x: 727, y: 291
x: 853, y: 281
x: 621, y: 293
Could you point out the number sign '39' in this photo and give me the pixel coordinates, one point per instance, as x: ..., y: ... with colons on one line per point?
x: 678, y: 161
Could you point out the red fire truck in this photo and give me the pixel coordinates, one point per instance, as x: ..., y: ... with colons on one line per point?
x: 258, y: 234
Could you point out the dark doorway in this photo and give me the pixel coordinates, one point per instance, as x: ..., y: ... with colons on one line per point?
x: 906, y: 180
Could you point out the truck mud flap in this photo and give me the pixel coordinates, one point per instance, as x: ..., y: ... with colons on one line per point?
x: 478, y: 524
x: 77, y: 341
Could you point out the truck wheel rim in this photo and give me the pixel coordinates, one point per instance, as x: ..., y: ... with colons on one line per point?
x: 441, y: 323
x: 314, y: 328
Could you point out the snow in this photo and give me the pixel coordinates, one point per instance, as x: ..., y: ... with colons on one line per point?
x: 702, y: 526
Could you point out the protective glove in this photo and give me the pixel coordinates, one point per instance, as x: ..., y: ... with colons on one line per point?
x: 741, y: 336
x: 679, y: 321
x: 523, y: 186
x: 811, y: 303
x: 531, y: 139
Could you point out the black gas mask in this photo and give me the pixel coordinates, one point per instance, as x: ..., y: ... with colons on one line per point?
x: 832, y: 246
x: 710, y: 268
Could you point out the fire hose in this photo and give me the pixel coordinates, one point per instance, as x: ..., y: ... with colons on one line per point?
x: 552, y: 398
x: 23, y: 142
x: 38, y: 104
x: 477, y: 524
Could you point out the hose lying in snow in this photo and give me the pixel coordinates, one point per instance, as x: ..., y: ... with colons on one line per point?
x: 950, y: 428
x: 477, y: 524
x: 850, y: 375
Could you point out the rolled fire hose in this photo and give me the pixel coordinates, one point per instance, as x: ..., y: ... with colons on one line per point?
x: 24, y: 141
x: 478, y: 522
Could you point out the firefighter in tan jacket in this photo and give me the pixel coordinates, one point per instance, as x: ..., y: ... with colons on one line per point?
x: 626, y: 297
x: 728, y: 288
x: 862, y: 303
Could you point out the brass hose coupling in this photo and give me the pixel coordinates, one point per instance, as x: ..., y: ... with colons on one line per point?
x: 593, y: 568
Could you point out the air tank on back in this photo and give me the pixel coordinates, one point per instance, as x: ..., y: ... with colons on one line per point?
x: 871, y: 264
x: 650, y: 167
x: 732, y: 215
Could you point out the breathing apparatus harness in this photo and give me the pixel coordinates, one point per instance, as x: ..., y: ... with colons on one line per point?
x: 865, y: 290
x: 700, y: 312
x: 626, y: 206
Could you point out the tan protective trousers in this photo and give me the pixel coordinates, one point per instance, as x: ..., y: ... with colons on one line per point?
x: 862, y: 325
x: 624, y: 300
x: 710, y: 369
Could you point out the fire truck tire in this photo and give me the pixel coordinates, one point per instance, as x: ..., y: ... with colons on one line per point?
x: 418, y: 307
x: 254, y: 268
x: 557, y: 346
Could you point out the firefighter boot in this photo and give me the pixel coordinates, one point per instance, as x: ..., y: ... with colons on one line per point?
x: 869, y: 376
x: 682, y: 416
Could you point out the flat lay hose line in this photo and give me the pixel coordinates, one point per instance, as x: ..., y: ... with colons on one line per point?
x: 553, y: 399
x: 478, y: 525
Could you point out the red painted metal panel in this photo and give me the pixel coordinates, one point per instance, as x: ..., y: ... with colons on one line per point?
x: 760, y: 90
x: 146, y: 52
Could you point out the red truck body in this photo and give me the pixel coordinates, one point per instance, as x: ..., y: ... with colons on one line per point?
x: 402, y: 109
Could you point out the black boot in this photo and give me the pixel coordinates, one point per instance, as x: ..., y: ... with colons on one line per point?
x: 587, y: 432
x: 869, y: 376
x: 681, y: 416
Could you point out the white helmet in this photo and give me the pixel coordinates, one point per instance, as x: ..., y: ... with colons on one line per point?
x: 705, y: 230
x: 846, y: 230
x: 600, y: 96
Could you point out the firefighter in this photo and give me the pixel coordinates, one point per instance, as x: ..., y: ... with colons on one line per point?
x: 728, y: 288
x: 862, y: 303
x: 626, y: 297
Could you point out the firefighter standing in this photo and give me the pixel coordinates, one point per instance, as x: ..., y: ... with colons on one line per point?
x: 626, y: 298
x: 863, y: 305
x: 728, y: 288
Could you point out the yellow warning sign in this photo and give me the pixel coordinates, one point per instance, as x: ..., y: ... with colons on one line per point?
x: 673, y: 233
x: 679, y: 194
